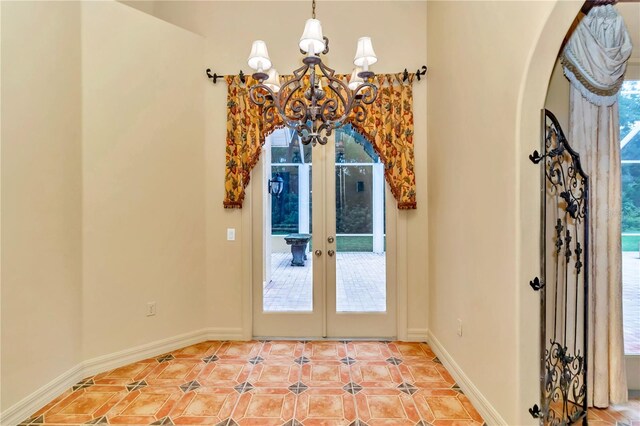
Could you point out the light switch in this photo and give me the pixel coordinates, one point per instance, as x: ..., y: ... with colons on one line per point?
x: 231, y: 234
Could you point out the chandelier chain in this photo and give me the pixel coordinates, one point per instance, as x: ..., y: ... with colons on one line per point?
x: 313, y: 9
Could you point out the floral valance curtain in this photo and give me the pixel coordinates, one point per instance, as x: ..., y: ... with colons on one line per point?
x: 389, y: 128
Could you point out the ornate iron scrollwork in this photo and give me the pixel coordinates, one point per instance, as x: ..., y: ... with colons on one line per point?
x: 563, y: 283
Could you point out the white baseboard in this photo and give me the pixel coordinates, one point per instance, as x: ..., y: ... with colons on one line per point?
x: 113, y: 360
x: 30, y: 404
x: 484, y: 407
x: 225, y: 333
x: 38, y: 399
x: 417, y: 334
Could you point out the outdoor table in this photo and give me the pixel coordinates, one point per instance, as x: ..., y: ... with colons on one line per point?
x: 298, y: 243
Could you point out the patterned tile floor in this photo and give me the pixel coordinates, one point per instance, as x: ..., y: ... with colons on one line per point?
x: 271, y: 383
x: 360, y: 283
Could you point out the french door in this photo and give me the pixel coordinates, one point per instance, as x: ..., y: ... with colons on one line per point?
x: 328, y: 246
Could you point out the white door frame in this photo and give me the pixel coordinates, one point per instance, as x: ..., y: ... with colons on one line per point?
x: 252, y: 246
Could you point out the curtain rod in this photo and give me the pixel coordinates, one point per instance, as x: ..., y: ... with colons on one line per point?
x: 214, y: 77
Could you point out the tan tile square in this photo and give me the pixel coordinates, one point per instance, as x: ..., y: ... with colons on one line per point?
x: 145, y: 405
x: 225, y: 373
x: 368, y: 350
x: 265, y: 406
x: 175, y: 372
x: 323, y: 374
x: 378, y: 406
x: 126, y: 374
x: 376, y: 374
x: 85, y: 404
x: 239, y: 350
x: 325, y: 407
x: 206, y: 406
x: 275, y: 374
x: 199, y: 350
x: 282, y: 349
x: 449, y: 408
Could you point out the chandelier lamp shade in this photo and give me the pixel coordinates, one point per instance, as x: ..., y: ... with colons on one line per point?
x: 313, y: 101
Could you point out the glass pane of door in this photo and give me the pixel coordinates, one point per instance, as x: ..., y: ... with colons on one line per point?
x: 360, y: 225
x: 629, y: 107
x: 289, y: 286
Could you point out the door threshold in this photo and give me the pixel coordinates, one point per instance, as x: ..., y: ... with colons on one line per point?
x: 327, y: 339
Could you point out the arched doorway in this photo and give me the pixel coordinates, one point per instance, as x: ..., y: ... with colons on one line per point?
x: 533, y: 92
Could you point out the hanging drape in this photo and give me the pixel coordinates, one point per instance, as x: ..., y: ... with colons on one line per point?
x: 594, y: 61
x: 389, y: 128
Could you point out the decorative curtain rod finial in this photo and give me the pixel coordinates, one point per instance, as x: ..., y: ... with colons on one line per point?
x: 215, y: 77
x: 420, y: 72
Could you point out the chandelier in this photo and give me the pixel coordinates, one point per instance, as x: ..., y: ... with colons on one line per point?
x: 315, y: 106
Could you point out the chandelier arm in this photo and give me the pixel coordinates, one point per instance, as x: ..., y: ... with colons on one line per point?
x: 359, y: 113
x: 328, y: 110
x: 329, y: 73
x: 269, y: 112
x: 356, y: 102
x: 368, y: 97
x: 289, y: 91
x: 267, y: 101
x: 299, y: 109
x: 338, y: 87
x: 258, y: 97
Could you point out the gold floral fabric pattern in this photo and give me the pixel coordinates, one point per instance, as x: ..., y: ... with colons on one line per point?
x: 245, y: 137
x: 388, y: 127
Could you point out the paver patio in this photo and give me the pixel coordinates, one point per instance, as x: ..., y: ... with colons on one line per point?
x: 361, y: 279
x: 361, y: 288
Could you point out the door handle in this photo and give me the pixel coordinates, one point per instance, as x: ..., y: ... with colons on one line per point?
x: 318, y: 253
x: 331, y: 252
x: 330, y: 239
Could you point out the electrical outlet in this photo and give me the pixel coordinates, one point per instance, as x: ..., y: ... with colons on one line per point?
x: 151, y: 309
x: 231, y: 234
x: 459, y: 327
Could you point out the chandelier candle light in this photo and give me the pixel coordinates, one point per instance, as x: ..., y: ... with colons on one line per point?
x: 314, y: 116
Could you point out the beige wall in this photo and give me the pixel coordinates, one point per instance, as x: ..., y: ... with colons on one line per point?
x: 399, y: 35
x: 557, y: 100
x: 142, y: 5
x: 41, y: 195
x: 481, y: 56
x: 103, y: 178
x: 143, y: 179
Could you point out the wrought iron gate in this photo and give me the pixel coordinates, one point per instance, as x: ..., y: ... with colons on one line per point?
x: 563, y: 283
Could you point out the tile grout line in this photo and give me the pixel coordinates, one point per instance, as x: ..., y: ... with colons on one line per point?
x: 235, y: 406
x: 356, y: 422
x: 413, y: 402
x: 295, y: 404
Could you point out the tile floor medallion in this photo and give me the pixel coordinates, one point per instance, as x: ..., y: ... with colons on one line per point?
x: 289, y: 383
